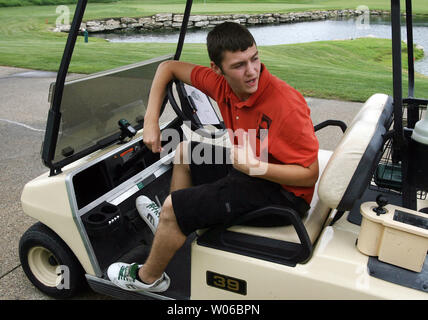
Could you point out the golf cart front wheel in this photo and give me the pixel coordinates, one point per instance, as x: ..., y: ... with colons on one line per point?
x: 49, y: 263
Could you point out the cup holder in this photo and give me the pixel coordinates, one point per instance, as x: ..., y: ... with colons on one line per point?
x: 109, y: 209
x: 102, y: 220
x: 97, y: 218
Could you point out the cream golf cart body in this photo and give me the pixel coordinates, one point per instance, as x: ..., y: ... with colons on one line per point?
x: 99, y: 164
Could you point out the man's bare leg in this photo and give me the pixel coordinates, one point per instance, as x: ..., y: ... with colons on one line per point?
x: 168, y: 238
x: 181, y: 178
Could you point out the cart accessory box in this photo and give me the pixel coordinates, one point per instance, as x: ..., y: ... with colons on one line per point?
x: 399, y: 236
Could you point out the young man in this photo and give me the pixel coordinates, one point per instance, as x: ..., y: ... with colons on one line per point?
x: 249, y: 98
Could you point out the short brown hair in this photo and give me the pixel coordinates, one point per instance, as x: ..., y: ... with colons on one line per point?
x: 228, y: 36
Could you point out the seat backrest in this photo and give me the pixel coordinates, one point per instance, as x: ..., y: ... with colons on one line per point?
x: 351, y: 166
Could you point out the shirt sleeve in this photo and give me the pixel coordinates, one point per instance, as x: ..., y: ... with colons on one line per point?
x: 206, y: 80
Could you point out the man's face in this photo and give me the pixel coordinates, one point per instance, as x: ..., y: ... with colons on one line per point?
x: 241, y: 69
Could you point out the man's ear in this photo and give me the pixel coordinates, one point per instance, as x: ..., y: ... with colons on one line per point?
x: 216, y: 68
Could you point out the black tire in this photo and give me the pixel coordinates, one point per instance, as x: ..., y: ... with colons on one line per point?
x: 43, y: 255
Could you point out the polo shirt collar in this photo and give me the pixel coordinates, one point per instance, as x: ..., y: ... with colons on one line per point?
x: 264, y: 81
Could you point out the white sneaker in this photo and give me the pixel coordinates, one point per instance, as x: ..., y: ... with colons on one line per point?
x: 149, y: 211
x: 124, y: 276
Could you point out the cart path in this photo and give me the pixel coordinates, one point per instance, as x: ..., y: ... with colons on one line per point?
x: 22, y: 125
x: 23, y: 111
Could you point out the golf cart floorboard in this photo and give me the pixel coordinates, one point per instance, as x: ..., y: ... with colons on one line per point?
x: 403, y: 277
x: 106, y: 287
x: 178, y: 270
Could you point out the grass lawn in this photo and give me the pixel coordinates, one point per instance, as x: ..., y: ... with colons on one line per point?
x: 348, y: 70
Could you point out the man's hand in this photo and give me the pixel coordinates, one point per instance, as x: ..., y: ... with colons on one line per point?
x: 167, y: 71
x: 244, y: 159
x: 152, y: 136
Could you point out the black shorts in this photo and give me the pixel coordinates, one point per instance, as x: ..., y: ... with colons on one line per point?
x: 221, y: 193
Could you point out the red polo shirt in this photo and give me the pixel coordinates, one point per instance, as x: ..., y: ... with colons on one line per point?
x: 275, y: 106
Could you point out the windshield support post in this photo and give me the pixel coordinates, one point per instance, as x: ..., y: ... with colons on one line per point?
x: 183, y: 29
x: 410, y: 54
x: 397, y: 80
x: 54, y: 117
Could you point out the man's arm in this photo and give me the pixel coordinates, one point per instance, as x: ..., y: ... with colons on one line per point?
x: 166, y: 72
x: 288, y: 174
x: 244, y: 160
x: 292, y: 174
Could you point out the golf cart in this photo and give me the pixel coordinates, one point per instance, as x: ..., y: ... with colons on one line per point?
x: 364, y: 237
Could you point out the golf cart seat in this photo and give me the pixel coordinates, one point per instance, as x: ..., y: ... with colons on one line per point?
x: 344, y: 176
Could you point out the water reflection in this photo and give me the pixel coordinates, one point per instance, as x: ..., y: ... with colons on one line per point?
x: 340, y: 29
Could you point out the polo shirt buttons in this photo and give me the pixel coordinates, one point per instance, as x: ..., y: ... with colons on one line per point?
x: 237, y: 117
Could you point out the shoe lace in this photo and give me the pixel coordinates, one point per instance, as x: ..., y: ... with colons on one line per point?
x: 154, y: 208
x: 128, y: 273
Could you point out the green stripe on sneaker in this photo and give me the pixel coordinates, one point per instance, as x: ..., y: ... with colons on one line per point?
x: 133, y: 269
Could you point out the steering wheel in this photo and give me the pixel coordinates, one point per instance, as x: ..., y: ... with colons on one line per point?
x: 191, y: 110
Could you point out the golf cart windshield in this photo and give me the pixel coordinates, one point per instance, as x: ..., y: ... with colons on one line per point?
x: 84, y: 115
x: 92, y: 106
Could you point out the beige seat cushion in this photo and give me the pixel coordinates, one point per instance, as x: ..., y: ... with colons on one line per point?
x: 336, y: 177
x: 313, y: 221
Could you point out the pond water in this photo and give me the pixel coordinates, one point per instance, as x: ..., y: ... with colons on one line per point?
x: 339, y: 29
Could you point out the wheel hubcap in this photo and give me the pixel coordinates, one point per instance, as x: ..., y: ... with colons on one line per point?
x: 43, y: 265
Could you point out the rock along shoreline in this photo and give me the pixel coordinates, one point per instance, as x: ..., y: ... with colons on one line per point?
x: 172, y: 22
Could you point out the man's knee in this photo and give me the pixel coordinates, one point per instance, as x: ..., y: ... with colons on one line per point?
x: 168, y: 220
x: 167, y: 213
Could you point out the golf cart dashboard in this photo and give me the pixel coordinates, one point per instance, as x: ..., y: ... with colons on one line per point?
x: 107, y: 174
x: 103, y: 176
